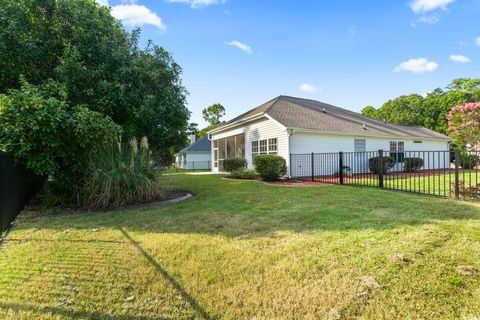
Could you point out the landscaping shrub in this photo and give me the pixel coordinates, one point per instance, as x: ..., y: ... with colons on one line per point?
x: 243, y: 174
x: 469, y: 161
x: 412, y: 164
x: 347, y: 172
x: 270, y: 166
x: 374, y: 164
x: 232, y: 164
x: 118, y: 175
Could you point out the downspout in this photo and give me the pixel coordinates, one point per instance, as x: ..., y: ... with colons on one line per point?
x: 290, y: 132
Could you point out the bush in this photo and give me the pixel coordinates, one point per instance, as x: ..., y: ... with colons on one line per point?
x: 270, y: 166
x: 347, y: 172
x: 374, y: 164
x: 243, y: 174
x: 118, y: 175
x: 50, y: 136
x: 232, y: 164
x: 412, y: 164
x: 469, y: 161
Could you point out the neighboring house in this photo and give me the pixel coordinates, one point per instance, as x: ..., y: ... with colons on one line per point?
x: 196, y: 156
x: 288, y: 125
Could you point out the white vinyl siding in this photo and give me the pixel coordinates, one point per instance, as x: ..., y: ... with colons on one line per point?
x: 306, y: 143
x: 259, y: 130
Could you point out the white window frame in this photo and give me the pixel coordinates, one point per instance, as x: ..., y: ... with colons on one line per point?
x: 264, y: 146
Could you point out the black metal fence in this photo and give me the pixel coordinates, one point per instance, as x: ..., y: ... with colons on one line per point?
x: 437, y: 173
x: 194, y: 165
x: 17, y: 186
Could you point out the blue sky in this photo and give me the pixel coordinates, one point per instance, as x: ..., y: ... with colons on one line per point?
x: 242, y: 53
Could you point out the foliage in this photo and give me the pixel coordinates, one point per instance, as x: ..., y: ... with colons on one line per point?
x: 78, y: 44
x: 469, y: 161
x: 464, y: 123
x: 118, y: 175
x: 232, y: 164
x: 347, y: 172
x: 50, y: 136
x: 243, y: 174
x: 430, y: 111
x: 270, y: 166
x: 469, y: 191
x: 374, y: 164
x: 212, y: 114
x: 412, y: 164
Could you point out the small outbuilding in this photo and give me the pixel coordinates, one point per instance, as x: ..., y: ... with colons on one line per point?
x: 197, y: 156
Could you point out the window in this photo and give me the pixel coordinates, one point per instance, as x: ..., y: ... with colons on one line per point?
x: 397, y: 149
x: 272, y: 145
x: 417, y: 141
x: 265, y: 146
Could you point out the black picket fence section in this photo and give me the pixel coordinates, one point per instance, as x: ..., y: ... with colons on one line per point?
x: 17, y: 186
x: 437, y: 173
x: 194, y: 165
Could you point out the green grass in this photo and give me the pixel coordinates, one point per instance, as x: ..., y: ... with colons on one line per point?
x: 243, y: 250
x: 438, y: 184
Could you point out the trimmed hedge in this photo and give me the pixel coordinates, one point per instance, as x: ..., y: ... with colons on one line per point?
x: 270, y: 166
x: 412, y: 164
x: 373, y: 164
x: 243, y: 174
x: 469, y: 161
x: 232, y: 164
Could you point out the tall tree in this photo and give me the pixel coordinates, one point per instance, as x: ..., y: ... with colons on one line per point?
x: 79, y: 45
x: 213, y: 114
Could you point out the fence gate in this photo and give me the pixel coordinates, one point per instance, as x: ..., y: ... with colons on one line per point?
x: 437, y: 173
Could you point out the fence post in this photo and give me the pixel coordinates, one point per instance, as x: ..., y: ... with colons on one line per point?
x: 313, y: 172
x: 290, y: 166
x: 380, y: 168
x: 457, y: 175
x: 340, y: 164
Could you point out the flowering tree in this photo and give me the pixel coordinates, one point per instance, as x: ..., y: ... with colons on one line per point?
x: 464, y: 123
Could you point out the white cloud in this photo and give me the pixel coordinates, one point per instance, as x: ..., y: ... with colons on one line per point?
x: 477, y: 41
x: 308, y: 88
x: 198, y: 3
x: 137, y: 15
x: 102, y: 2
x: 420, y: 65
x: 419, y: 6
x: 241, y: 46
x: 459, y: 58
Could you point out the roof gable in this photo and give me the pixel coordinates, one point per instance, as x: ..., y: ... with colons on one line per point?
x: 202, y: 145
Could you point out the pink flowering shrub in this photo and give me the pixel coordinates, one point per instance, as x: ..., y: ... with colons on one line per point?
x: 464, y: 123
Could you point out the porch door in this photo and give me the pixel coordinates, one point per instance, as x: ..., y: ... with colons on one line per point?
x: 360, y: 164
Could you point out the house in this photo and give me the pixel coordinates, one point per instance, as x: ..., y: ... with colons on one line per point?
x: 288, y: 126
x: 196, y: 156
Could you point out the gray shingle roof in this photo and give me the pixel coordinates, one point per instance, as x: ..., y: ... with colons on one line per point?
x: 202, y: 145
x: 315, y: 115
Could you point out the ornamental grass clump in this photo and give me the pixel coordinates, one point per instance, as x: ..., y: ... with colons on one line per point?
x: 119, y: 175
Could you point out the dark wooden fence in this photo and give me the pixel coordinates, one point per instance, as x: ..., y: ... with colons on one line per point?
x: 17, y: 186
x: 437, y: 173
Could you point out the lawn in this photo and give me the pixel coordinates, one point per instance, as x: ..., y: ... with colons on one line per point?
x: 243, y: 250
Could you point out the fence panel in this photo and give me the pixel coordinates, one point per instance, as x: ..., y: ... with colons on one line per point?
x: 194, y: 165
x: 17, y: 186
x: 436, y: 173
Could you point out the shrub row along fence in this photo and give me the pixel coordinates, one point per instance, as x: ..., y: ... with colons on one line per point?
x: 17, y: 186
x: 437, y: 173
x: 194, y: 165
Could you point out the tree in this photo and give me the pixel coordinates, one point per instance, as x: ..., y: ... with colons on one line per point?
x: 213, y: 114
x: 51, y: 136
x: 464, y: 123
x: 369, y: 111
x: 78, y: 44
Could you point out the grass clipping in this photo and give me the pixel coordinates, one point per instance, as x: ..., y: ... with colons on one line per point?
x: 119, y: 175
